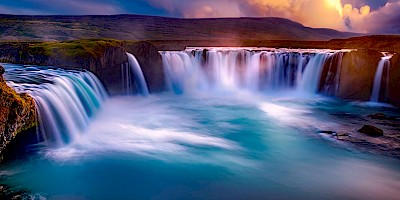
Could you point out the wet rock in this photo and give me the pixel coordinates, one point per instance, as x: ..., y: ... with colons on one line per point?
x: 371, y: 131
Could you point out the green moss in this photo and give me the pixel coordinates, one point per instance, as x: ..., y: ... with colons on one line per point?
x: 75, y: 48
x: 14, y: 109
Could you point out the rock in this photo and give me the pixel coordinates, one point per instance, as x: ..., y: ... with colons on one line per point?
x: 2, y: 70
x: 382, y: 116
x: 328, y: 132
x: 17, y: 113
x: 371, y: 131
x: 394, y: 83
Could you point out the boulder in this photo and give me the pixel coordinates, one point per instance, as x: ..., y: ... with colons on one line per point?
x: 371, y: 131
x: 358, y: 73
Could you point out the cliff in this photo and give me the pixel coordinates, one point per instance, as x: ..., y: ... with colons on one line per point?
x: 17, y: 113
x: 103, y: 57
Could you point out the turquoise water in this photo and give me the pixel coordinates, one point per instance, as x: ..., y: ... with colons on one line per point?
x: 209, y: 146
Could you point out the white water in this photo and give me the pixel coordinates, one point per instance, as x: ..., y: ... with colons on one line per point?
x: 232, y: 69
x: 65, y: 100
x: 385, y: 61
x: 137, y: 73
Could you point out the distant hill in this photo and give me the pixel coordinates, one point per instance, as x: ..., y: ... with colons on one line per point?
x: 137, y: 27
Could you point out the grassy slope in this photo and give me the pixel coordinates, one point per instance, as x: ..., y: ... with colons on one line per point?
x: 135, y: 27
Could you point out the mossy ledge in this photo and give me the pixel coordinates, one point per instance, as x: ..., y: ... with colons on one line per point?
x: 17, y: 113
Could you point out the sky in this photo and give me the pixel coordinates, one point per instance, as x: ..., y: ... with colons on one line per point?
x: 364, y: 16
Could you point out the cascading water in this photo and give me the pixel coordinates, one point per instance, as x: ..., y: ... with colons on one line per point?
x: 385, y: 61
x: 191, y: 146
x: 135, y: 71
x: 244, y: 68
x: 65, y: 99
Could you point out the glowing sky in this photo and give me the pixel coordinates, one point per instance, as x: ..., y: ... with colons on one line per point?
x: 367, y: 16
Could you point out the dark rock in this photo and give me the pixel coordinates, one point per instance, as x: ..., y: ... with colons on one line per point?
x: 2, y: 70
x: 371, y: 131
x: 328, y: 132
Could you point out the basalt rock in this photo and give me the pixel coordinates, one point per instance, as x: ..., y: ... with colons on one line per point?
x: 357, y: 74
x: 17, y: 113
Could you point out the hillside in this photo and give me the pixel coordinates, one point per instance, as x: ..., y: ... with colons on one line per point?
x: 136, y: 27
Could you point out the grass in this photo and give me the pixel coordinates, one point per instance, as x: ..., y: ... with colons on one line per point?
x: 74, y: 48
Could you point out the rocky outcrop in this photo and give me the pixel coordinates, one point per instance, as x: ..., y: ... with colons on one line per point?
x: 357, y: 74
x: 17, y: 113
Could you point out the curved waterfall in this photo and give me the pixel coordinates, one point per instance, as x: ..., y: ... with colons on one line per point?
x: 65, y: 99
x: 242, y: 68
x: 384, y: 62
x: 133, y: 70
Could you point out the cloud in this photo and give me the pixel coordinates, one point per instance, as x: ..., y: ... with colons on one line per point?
x: 60, y: 7
x: 19, y: 11
x: 364, y: 16
x: 199, y: 9
x: 384, y: 20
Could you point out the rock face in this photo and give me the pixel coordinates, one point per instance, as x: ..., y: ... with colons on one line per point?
x: 17, y: 113
x: 371, y: 131
x: 357, y: 74
x: 394, y: 80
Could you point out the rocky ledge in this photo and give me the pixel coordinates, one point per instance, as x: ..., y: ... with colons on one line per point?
x: 17, y: 113
x: 376, y: 133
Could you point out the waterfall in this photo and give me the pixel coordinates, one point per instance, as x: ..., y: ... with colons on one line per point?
x: 137, y: 73
x: 385, y: 61
x: 312, y: 73
x: 229, y: 69
x: 65, y: 99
